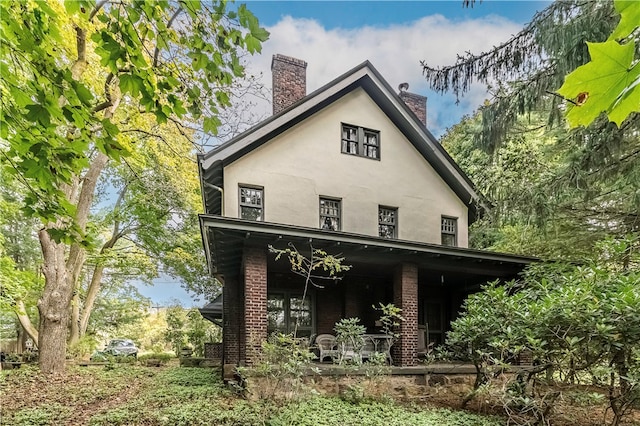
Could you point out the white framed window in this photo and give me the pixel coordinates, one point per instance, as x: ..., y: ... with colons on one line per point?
x: 449, y: 231
x: 330, y: 212
x: 251, y: 203
x: 387, y: 222
x: 360, y: 141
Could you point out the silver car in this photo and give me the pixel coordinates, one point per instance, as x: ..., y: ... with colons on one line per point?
x: 121, y: 347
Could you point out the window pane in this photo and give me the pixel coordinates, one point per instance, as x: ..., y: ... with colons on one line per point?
x: 349, y: 139
x: 298, y: 304
x: 276, y: 313
x: 386, y: 231
x: 251, y: 196
x: 250, y: 213
x: 303, y: 318
x: 449, y: 240
x: 371, y: 138
x: 371, y: 144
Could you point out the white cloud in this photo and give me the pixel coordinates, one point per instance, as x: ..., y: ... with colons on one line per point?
x: 395, y: 50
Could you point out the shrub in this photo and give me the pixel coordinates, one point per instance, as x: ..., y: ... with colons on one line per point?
x: 580, y: 323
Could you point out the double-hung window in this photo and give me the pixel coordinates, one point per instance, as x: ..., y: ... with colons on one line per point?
x: 286, y: 310
x: 387, y: 222
x: 251, y: 203
x: 330, y: 214
x: 360, y: 141
x: 449, y: 231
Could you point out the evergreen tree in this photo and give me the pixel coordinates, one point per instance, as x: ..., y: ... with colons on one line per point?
x: 575, y: 185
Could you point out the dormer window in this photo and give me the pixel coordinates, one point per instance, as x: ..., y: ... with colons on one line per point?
x: 360, y: 141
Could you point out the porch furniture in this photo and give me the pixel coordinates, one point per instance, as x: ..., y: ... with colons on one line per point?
x: 381, y: 344
x: 327, y: 346
x: 370, y: 345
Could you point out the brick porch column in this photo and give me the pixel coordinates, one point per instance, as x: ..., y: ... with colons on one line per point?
x: 405, y: 296
x: 231, y: 316
x: 254, y: 333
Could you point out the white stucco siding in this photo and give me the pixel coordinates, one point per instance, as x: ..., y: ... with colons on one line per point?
x: 306, y: 162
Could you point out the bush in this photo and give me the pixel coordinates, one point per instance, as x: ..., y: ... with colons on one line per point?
x: 580, y: 323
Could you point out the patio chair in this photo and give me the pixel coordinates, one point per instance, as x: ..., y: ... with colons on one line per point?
x: 327, y: 346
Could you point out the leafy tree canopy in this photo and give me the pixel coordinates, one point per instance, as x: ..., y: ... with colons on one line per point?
x: 169, y: 59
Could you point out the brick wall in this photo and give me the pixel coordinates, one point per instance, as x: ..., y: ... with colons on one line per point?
x: 289, y: 77
x: 417, y: 104
x: 255, y: 301
x: 232, y: 316
x: 329, y: 308
x: 213, y: 351
x: 405, y: 296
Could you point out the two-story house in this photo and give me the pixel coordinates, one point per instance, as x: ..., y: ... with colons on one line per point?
x: 350, y: 168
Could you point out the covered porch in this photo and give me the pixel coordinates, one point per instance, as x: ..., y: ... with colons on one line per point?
x: 428, y: 282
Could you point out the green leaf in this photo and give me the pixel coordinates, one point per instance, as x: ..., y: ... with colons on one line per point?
x: 629, y: 18
x: 85, y: 96
x: 130, y: 84
x: 260, y: 33
x: 253, y: 44
x: 601, y: 85
x: 72, y: 6
x: 211, y: 124
x: 38, y: 114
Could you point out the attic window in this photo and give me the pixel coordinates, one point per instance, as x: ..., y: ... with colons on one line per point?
x: 360, y: 141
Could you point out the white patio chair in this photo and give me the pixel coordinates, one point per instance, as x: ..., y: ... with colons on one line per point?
x: 327, y: 346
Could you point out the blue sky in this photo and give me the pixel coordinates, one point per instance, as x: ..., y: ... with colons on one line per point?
x: 353, y: 14
x: 334, y: 36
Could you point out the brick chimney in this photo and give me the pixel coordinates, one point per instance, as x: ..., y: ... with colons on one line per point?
x: 289, y: 81
x: 416, y: 103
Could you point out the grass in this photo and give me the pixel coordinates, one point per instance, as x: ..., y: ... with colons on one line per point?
x: 131, y: 395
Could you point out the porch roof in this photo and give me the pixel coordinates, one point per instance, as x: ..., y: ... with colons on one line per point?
x: 225, y: 238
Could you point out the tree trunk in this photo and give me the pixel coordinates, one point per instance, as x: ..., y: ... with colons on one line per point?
x: 74, y: 329
x: 53, y: 306
x: 25, y: 321
x: 61, y: 277
x: 98, y: 271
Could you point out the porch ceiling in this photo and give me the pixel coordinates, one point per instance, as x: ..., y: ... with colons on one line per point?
x: 225, y: 238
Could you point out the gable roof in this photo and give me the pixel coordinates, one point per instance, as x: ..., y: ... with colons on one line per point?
x: 365, y: 76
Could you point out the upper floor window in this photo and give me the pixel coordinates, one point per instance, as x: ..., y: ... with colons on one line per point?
x: 360, y: 141
x: 251, y: 203
x: 330, y: 214
x: 449, y: 231
x: 387, y: 222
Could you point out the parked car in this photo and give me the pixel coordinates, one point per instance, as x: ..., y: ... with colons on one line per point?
x: 116, y: 347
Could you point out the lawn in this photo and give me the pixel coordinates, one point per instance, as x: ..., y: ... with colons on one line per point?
x: 132, y: 395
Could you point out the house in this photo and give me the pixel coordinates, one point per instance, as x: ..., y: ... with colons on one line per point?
x: 352, y: 169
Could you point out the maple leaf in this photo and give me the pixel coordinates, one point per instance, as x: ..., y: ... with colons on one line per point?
x: 629, y: 18
x: 610, y: 81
